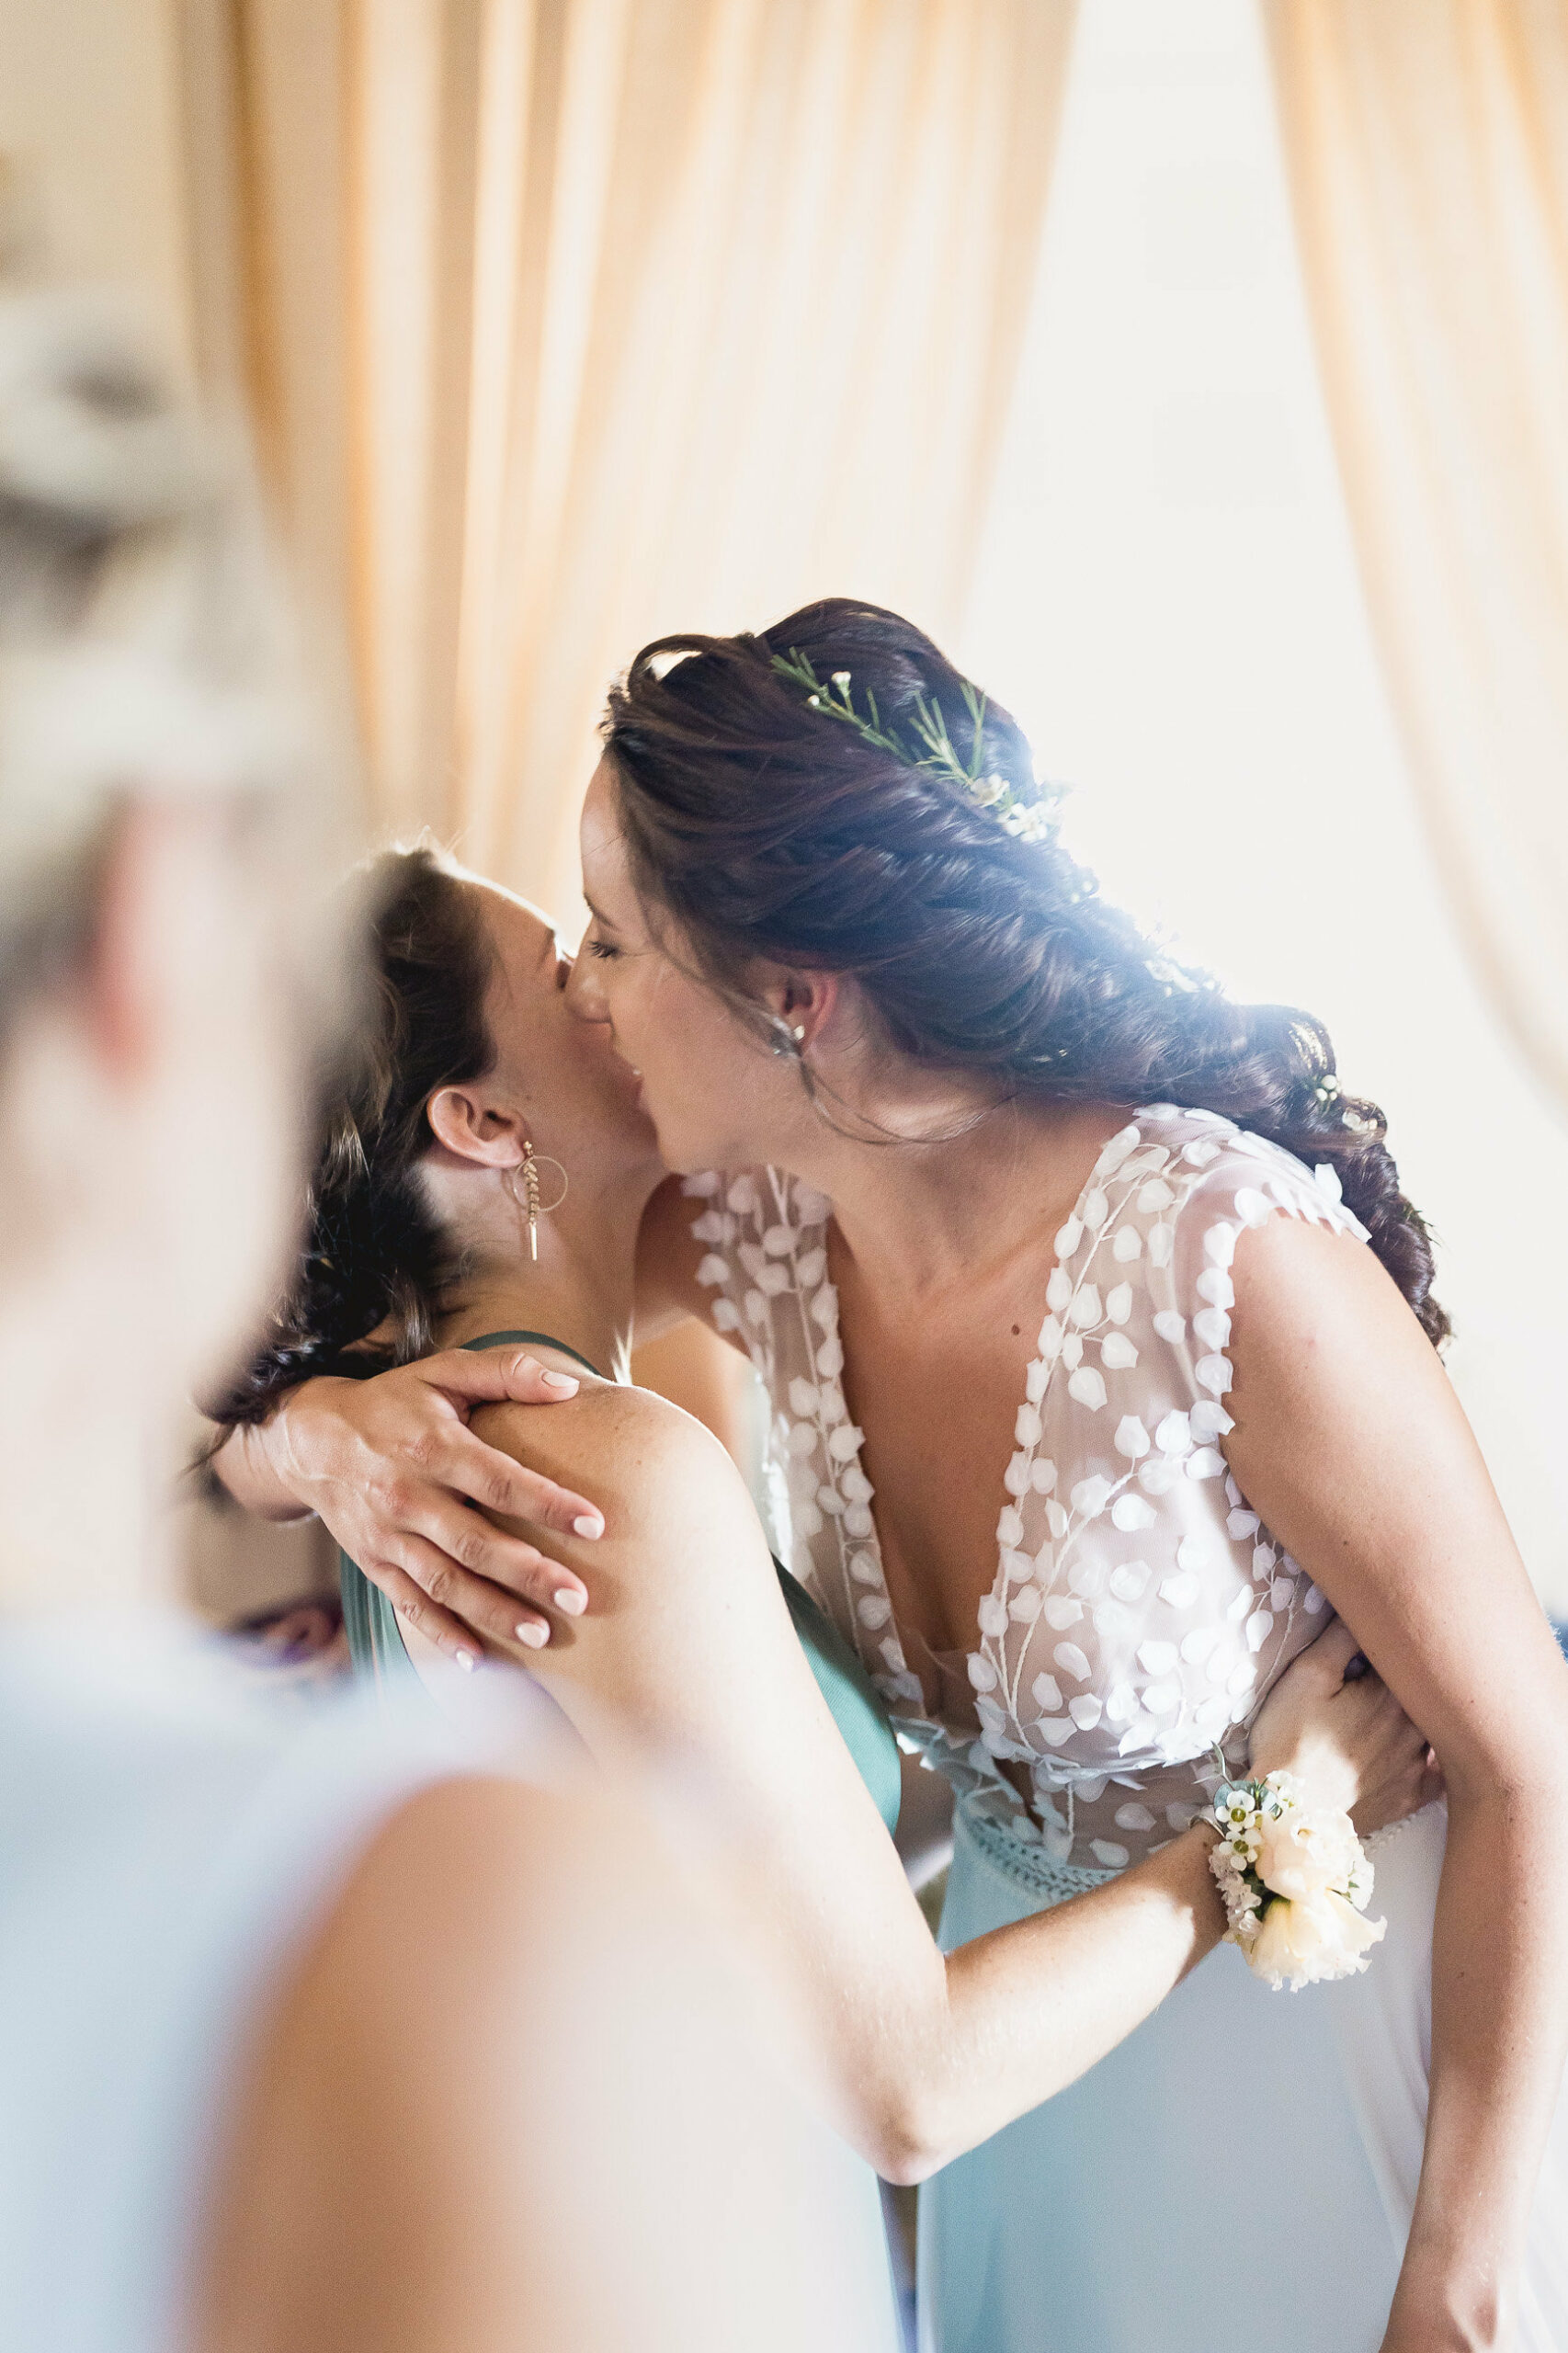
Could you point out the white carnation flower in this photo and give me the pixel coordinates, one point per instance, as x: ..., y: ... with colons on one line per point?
x: 1313, y: 1942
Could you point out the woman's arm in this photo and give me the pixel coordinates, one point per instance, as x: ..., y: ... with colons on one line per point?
x: 687, y: 1654
x: 1348, y: 1439
x: 393, y: 1467
x: 468, y: 2125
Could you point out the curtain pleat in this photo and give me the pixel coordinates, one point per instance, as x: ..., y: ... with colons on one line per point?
x: 1426, y: 145
x: 564, y: 323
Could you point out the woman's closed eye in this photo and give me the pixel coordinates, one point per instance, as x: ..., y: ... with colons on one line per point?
x: 600, y: 949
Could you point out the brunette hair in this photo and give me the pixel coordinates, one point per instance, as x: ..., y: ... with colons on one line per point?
x: 766, y: 829
x: 375, y: 1270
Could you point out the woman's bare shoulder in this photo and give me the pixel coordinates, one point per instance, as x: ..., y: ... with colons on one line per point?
x: 458, y: 2116
x: 1313, y: 1298
x: 365, y: 2142
x: 621, y: 1443
x: 464, y: 1884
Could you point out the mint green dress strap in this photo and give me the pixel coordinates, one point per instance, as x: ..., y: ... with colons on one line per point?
x: 851, y: 1696
x: 376, y: 1645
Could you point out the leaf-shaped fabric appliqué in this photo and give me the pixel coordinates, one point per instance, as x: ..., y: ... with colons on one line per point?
x: 1138, y: 1610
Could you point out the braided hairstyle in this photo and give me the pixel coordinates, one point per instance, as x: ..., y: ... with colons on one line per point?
x: 765, y: 829
x: 375, y: 1270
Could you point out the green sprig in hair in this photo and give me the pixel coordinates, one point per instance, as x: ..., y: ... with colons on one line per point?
x: 933, y: 748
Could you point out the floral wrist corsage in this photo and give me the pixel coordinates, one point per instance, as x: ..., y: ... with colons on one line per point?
x: 1294, y: 1882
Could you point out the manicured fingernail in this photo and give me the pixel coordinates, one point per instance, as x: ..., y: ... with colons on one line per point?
x: 562, y: 1381
x: 590, y: 1524
x: 466, y: 1660
x: 534, y: 1635
x: 572, y: 1598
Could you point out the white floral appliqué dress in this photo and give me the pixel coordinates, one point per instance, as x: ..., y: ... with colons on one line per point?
x: 1138, y: 1613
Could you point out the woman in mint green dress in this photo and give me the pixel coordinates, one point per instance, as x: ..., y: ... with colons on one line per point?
x: 440, y: 1219
x: 379, y: 1653
x: 1097, y: 1336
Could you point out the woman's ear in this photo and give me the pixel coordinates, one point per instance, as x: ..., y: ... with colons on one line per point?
x: 465, y: 1125
x: 804, y: 1001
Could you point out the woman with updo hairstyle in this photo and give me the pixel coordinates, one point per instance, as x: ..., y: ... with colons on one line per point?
x: 229, y: 2122
x: 479, y: 1186
x: 1101, y: 1355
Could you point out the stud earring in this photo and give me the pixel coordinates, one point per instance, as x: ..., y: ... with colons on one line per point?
x: 530, y: 1207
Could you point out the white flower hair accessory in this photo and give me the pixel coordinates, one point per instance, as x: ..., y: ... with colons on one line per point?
x: 933, y: 748
x: 1295, y: 1881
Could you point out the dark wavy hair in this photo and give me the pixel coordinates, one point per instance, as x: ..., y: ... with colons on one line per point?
x: 766, y: 829
x: 375, y: 1270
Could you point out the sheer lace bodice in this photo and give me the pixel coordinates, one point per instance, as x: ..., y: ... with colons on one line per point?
x: 1140, y: 1611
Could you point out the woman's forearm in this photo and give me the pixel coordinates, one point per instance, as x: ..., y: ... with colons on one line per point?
x: 245, y: 1466
x: 1080, y: 1978
x: 687, y: 1653
x: 1499, y: 2033
x: 1086, y: 1972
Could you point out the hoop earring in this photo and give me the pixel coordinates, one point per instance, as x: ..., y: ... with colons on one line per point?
x: 531, y: 1206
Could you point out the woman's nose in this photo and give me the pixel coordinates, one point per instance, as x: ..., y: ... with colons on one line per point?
x: 585, y: 997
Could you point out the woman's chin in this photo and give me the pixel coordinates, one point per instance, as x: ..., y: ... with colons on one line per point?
x: 692, y: 1158
x: 679, y: 1147
x: 637, y: 1136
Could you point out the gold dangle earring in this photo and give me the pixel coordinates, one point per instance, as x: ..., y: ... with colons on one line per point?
x: 531, y: 1206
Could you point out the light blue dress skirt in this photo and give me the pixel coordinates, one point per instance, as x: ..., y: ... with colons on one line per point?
x: 1205, y: 2187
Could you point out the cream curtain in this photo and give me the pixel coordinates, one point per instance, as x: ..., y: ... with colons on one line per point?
x: 568, y: 321
x: 1427, y: 144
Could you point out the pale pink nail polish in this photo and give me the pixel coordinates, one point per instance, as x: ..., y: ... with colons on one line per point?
x: 535, y: 1635
x: 588, y: 1525
x: 572, y: 1599
x: 466, y: 1660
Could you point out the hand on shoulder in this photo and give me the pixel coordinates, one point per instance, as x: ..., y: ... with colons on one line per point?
x: 641, y: 1454
x: 682, y: 1543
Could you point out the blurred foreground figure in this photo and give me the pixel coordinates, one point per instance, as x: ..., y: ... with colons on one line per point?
x: 225, y: 2121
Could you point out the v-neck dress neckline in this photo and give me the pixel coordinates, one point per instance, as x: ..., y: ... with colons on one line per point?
x: 1138, y: 1610
x: 944, y: 1661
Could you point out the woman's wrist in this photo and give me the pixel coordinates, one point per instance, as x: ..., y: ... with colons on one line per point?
x: 246, y: 1472
x: 1195, y: 1845
x: 1295, y: 1881
x: 285, y: 1436
x: 276, y: 1439
x: 267, y: 1464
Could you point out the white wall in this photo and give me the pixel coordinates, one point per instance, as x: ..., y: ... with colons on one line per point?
x: 1168, y: 601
